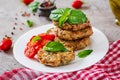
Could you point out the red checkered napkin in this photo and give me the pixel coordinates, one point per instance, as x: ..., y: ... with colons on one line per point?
x: 106, y: 69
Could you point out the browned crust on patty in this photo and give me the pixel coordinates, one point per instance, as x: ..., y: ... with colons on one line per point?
x: 72, y: 27
x: 56, y: 58
x: 75, y: 44
x: 73, y: 35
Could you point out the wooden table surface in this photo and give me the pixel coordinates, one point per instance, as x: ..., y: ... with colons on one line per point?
x: 11, y: 11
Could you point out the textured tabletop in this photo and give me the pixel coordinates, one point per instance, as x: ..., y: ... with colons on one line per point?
x: 12, y: 23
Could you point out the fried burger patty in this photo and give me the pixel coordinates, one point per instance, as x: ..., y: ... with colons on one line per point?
x: 73, y: 27
x: 75, y: 44
x: 56, y: 58
x: 73, y: 35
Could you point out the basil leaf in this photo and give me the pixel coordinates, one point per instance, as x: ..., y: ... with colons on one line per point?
x: 84, y: 53
x: 83, y: 17
x: 48, y: 31
x: 74, y: 20
x: 69, y: 15
x: 58, y: 11
x: 56, y: 14
x: 33, y: 6
x: 55, y: 47
x: 77, y: 17
x: 29, y: 23
x: 36, y: 38
x: 64, y: 16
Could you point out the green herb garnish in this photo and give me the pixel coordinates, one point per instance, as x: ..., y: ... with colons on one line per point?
x: 68, y: 15
x: 48, y: 31
x: 29, y: 23
x: 84, y: 53
x: 36, y: 38
x: 77, y: 17
x: 64, y: 16
x: 33, y: 6
x: 55, y: 47
x: 56, y: 14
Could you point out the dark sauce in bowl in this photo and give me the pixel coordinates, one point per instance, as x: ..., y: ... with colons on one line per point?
x: 45, y: 8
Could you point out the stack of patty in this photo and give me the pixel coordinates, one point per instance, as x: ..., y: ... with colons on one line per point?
x: 75, y: 36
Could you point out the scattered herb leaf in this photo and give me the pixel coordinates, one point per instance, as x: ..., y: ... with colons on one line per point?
x: 84, y: 53
x: 55, y: 47
x: 33, y: 6
x: 29, y: 23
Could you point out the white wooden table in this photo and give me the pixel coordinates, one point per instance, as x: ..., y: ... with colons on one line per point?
x: 98, y: 11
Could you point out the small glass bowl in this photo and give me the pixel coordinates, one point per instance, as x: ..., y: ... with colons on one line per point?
x: 45, y: 11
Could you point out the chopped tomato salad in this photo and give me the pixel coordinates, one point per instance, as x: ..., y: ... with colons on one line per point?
x: 47, y: 36
x: 37, y: 42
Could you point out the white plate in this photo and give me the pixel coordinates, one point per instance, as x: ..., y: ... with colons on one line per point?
x: 99, y: 44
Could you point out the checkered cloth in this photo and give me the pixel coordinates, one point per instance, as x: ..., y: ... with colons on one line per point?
x: 106, y: 69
